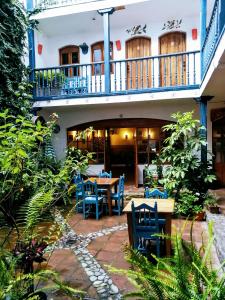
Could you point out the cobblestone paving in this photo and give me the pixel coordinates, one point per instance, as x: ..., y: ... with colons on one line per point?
x: 219, y: 232
x: 78, y: 243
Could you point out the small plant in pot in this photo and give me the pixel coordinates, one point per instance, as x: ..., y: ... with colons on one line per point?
x: 188, y: 205
x: 211, y: 204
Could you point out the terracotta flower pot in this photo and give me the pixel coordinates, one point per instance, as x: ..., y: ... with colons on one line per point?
x: 200, y: 216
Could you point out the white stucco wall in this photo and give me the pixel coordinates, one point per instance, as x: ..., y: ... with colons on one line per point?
x: 71, y: 116
x: 52, y: 44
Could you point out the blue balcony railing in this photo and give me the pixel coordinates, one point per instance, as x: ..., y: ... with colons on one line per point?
x: 46, y: 4
x: 136, y: 75
x: 214, y: 32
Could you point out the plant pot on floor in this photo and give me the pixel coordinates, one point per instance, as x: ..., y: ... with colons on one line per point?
x: 214, y: 209
x: 200, y: 216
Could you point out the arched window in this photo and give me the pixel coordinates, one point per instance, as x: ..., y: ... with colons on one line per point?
x: 173, y: 68
x: 70, y: 55
x: 138, y: 71
x: 97, y: 55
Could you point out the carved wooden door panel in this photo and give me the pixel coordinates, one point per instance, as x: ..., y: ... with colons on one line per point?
x: 172, y: 68
x: 138, y: 71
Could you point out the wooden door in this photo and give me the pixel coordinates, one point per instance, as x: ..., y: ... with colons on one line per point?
x: 70, y: 55
x: 173, y: 68
x: 139, y: 71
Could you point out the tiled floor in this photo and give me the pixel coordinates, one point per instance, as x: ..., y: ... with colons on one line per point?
x: 107, y: 250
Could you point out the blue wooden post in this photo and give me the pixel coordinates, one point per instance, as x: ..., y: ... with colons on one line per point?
x: 106, y: 22
x: 31, y: 43
x: 203, y: 20
x: 203, y: 100
x: 222, y: 15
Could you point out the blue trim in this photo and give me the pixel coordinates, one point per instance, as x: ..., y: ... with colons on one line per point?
x: 30, y: 5
x: 203, y: 19
x: 212, y: 55
x: 107, y: 52
x: 128, y: 92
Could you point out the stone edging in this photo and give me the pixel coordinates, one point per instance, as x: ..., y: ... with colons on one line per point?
x: 78, y: 243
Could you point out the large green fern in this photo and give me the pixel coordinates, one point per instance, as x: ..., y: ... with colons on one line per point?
x: 187, y: 275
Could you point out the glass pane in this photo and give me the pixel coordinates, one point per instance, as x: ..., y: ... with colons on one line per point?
x: 75, y: 58
x: 97, y: 56
x: 65, y: 59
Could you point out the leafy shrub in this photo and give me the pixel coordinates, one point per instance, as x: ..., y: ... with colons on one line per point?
x: 188, y: 274
x: 181, y: 152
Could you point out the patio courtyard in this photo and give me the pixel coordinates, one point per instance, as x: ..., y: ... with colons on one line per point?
x: 88, y: 247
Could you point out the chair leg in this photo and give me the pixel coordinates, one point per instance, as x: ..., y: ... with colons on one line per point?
x: 97, y: 213
x: 158, y: 248
x: 84, y: 214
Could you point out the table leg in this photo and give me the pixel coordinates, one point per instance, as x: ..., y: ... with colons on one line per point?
x: 168, y: 232
x: 130, y: 228
x: 109, y: 200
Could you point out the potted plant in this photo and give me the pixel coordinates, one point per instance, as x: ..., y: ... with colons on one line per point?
x: 211, y: 204
x: 148, y: 179
x: 188, y: 205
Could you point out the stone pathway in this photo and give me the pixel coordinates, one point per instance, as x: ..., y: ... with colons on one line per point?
x: 218, y: 228
x: 78, y: 243
x: 87, y: 247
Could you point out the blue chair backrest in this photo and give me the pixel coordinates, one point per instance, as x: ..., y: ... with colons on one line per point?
x: 79, y: 189
x: 145, y: 221
x: 104, y: 174
x: 77, y: 178
x: 71, y: 83
x: 121, y: 185
x: 155, y: 194
x: 90, y: 188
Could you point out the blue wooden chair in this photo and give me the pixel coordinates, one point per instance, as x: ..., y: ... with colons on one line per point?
x: 104, y: 174
x: 119, y: 196
x: 75, y: 85
x: 145, y: 228
x: 155, y: 194
x: 79, y: 196
x: 92, y: 202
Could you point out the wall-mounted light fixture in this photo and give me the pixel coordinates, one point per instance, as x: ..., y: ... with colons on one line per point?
x: 84, y: 48
x: 126, y: 136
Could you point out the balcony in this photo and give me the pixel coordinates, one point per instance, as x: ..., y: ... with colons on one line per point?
x: 176, y: 71
x: 46, y: 4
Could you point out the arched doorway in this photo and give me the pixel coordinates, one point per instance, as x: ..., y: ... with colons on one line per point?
x: 122, y: 145
x: 172, y: 68
x: 70, y: 55
x: 139, y: 71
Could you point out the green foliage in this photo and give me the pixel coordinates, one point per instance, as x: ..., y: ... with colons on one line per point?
x: 210, y: 200
x: 49, y: 78
x: 24, y: 173
x: 15, y: 285
x: 181, y: 152
x: 13, y: 30
x: 148, y: 177
x: 188, y: 204
x: 188, y: 274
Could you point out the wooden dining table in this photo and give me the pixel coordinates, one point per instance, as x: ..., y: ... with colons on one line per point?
x: 165, y: 210
x: 107, y: 184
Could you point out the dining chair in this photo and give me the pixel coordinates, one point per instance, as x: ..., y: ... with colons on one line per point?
x: 160, y: 195
x: 145, y: 228
x: 92, y: 202
x: 102, y: 191
x: 155, y: 194
x: 118, y: 197
x: 79, y: 196
x: 104, y: 174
